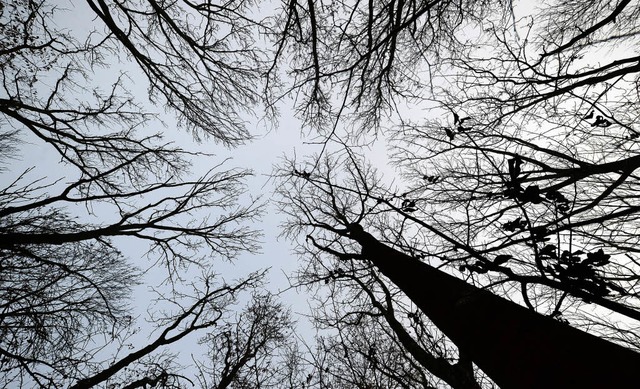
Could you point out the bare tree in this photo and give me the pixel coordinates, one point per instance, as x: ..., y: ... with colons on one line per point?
x: 521, y: 177
x: 488, y: 330
x: 530, y: 170
x: 201, y: 59
x: 354, y: 299
x: 251, y: 350
x: 241, y: 350
x: 382, y: 340
x: 65, y: 286
x: 359, y: 61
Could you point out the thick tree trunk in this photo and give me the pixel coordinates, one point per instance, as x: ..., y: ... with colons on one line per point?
x: 516, y: 347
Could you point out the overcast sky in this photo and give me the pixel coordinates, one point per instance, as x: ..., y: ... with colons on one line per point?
x: 272, y: 142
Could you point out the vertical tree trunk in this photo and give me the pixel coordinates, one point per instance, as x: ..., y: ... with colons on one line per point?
x: 516, y: 347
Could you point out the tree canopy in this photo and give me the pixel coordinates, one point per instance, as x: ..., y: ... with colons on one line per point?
x: 517, y: 175
x: 66, y: 317
x: 511, y: 157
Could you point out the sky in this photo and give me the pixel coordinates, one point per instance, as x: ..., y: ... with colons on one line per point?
x: 273, y: 141
x: 271, y: 144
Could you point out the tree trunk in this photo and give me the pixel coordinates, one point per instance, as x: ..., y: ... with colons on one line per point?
x: 516, y: 347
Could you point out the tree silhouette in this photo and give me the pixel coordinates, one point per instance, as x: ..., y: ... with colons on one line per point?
x: 66, y: 287
x: 361, y: 304
x: 543, y: 177
x: 518, y: 174
x: 513, y: 345
x: 513, y: 132
x: 381, y: 341
x: 359, y: 60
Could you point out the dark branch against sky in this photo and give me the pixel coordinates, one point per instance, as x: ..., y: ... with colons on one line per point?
x: 157, y: 158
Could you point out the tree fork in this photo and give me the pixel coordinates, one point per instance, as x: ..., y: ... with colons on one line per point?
x: 516, y: 347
